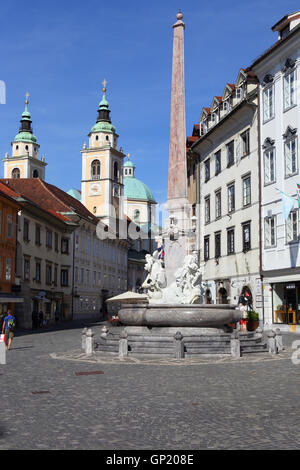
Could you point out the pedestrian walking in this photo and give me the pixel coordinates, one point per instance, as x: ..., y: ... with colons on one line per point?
x: 8, y: 328
x: 34, y: 320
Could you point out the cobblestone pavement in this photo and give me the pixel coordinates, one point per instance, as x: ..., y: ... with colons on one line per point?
x: 250, y: 403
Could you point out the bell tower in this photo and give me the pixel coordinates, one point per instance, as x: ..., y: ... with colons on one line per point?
x: 24, y: 161
x: 102, y: 163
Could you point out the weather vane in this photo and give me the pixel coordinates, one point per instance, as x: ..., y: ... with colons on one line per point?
x: 104, y: 83
x: 26, y: 96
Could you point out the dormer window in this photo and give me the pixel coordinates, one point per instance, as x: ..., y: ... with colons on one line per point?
x: 284, y: 32
x: 239, y: 93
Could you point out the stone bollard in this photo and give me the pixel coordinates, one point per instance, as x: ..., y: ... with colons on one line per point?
x: 235, y: 344
x: 278, y: 340
x: 104, y: 331
x: 2, y: 353
x: 83, y: 339
x: 123, y: 344
x: 272, y: 342
x: 178, y: 345
x: 89, y: 342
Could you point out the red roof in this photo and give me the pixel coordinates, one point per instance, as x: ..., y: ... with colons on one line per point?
x: 49, y: 197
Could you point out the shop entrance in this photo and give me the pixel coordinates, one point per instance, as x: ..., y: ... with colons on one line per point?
x: 286, y: 308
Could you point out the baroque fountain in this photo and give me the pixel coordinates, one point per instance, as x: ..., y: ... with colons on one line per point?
x: 171, y: 318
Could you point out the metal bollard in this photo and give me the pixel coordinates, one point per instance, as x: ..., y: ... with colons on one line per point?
x: 123, y: 344
x: 272, y: 342
x: 89, y: 342
x: 235, y: 344
x: 178, y: 345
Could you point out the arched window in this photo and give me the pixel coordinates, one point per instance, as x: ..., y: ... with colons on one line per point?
x: 95, y: 170
x: 15, y: 173
x: 136, y: 215
x: 116, y: 171
x: 35, y: 174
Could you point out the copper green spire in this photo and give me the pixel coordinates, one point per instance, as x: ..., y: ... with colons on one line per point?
x: 103, y: 123
x: 25, y: 132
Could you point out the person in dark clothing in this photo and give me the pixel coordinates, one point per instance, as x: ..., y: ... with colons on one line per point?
x: 41, y: 318
x: 35, y: 320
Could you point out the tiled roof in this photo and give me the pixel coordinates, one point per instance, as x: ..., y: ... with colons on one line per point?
x: 49, y: 197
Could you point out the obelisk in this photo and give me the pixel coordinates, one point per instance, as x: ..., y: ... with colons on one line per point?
x: 176, y: 227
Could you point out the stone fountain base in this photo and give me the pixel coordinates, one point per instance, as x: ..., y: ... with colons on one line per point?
x: 177, y: 341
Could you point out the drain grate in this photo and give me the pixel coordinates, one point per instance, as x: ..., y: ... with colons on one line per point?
x: 40, y: 392
x: 92, y: 372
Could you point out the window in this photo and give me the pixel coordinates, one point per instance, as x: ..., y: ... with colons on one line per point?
x: 37, y: 234
x: 239, y: 93
x: 246, y: 191
x: 245, y: 136
x: 230, y: 241
x: 136, y: 215
x: 64, y: 277
x: 116, y: 171
x: 95, y: 170
x: 206, y: 248
x: 207, y: 209
x: 15, y: 173
x: 82, y: 276
x: 65, y: 246
x: 217, y: 245
x: 207, y: 170
x: 268, y: 103
x: 231, y: 198
x: 289, y: 90
x: 55, y: 276
x: 218, y: 204
x: 230, y: 153
x: 26, y: 230
x: 35, y: 174
x: 76, y: 274
x: 94, y: 278
x: 38, y: 271
x: 87, y: 277
x: 48, y: 274
x: 292, y: 227
x: 270, y: 231
x: 10, y: 228
x: 8, y: 269
x: 218, y: 162
x: 48, y: 238
x: 56, y: 241
x: 26, y: 269
x: 246, y: 237
x: 269, y: 166
x: 290, y: 157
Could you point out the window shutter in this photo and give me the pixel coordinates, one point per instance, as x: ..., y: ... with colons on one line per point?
x: 267, y: 232
x: 288, y: 158
x: 286, y: 91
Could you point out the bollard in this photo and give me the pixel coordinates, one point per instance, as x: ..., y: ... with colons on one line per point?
x: 278, y: 340
x: 2, y: 352
x: 178, y: 345
x: 83, y: 339
x: 89, y: 342
x: 235, y: 344
x: 123, y: 344
x: 272, y: 342
x: 105, y: 331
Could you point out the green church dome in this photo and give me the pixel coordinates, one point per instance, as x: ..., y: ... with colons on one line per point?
x: 103, y: 126
x: 129, y: 163
x: 24, y: 136
x: 136, y: 189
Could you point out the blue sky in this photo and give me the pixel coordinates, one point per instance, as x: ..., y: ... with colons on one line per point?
x: 61, y: 52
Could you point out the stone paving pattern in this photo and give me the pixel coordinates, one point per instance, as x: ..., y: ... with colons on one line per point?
x: 250, y: 403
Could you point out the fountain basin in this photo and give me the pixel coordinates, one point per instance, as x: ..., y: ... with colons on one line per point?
x: 178, y: 315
